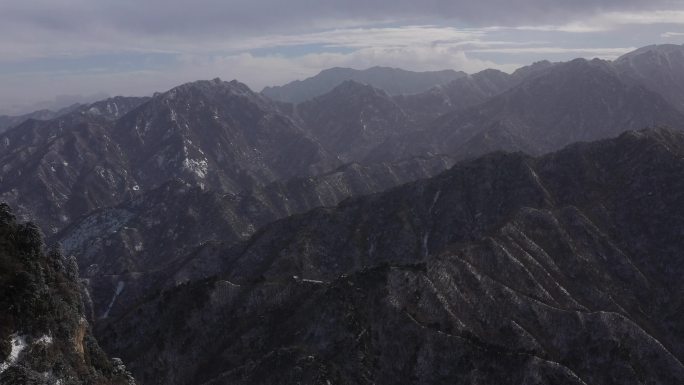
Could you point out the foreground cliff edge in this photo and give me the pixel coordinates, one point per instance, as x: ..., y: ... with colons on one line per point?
x: 44, y: 336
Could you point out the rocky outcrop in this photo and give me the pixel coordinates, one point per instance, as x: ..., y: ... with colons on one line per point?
x: 44, y: 337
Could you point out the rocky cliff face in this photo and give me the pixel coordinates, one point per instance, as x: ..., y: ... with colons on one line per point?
x: 506, y: 269
x: 44, y: 336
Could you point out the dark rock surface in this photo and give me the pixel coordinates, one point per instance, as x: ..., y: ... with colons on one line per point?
x: 506, y: 269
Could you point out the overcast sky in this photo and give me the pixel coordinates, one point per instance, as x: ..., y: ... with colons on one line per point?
x: 65, y: 50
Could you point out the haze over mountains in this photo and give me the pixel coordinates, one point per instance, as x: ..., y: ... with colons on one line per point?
x: 394, y: 81
x: 362, y: 227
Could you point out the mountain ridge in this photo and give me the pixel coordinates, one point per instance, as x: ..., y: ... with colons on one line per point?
x: 392, y: 80
x: 531, y: 268
x: 578, y: 100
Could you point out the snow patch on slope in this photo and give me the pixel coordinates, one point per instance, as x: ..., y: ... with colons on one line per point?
x: 18, y: 345
x: 44, y: 340
x: 119, y: 289
x: 434, y: 201
x: 198, y: 167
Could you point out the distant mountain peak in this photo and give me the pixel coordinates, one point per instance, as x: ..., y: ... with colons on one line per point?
x: 652, y: 49
x: 208, y: 90
x: 394, y: 81
x: 212, y: 85
x: 354, y: 87
x: 659, y: 68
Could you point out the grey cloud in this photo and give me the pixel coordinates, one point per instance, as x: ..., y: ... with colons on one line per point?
x: 210, y: 38
x: 181, y: 17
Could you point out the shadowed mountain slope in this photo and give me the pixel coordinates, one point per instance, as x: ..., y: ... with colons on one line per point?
x: 506, y: 269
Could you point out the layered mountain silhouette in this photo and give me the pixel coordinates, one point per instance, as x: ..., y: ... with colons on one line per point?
x: 457, y: 95
x: 7, y: 122
x: 393, y: 80
x: 579, y: 100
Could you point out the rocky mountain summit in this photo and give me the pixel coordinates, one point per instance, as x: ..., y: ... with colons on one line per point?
x: 505, y: 269
x: 214, y: 134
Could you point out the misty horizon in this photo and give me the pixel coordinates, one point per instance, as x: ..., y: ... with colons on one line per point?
x: 64, y: 101
x: 82, y: 48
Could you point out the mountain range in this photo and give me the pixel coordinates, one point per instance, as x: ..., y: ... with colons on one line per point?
x: 505, y: 269
x: 394, y: 81
x: 378, y: 226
